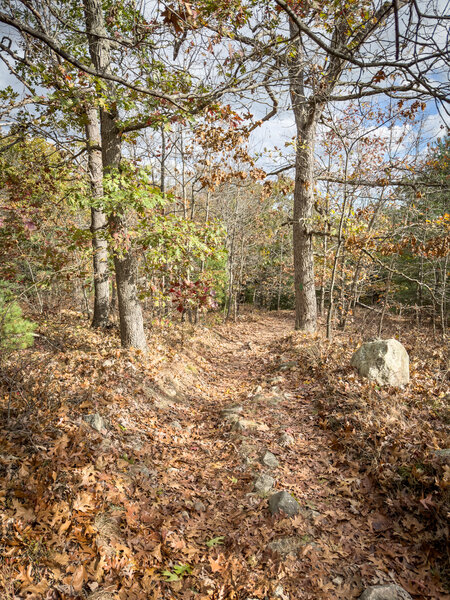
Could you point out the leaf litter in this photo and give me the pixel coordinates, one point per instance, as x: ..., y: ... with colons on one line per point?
x: 160, y: 502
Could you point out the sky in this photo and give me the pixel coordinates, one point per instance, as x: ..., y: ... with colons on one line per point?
x: 280, y: 130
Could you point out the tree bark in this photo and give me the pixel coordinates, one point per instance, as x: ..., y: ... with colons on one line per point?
x: 306, y: 116
x: 98, y: 222
x: 130, y: 312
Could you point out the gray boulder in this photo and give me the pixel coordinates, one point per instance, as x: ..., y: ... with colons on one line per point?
x: 385, y: 592
x: 283, y: 501
x: 383, y: 361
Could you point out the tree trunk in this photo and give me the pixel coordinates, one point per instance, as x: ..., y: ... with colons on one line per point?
x: 98, y: 222
x: 305, y: 289
x: 130, y: 313
x: 306, y: 116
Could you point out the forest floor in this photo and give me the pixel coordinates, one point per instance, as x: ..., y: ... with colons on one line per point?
x: 160, y: 502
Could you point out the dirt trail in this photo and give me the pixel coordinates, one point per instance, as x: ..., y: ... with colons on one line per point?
x: 343, y: 539
x: 328, y: 560
x: 160, y: 502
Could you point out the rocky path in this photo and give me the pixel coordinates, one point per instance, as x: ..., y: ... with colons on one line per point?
x: 237, y: 465
x: 281, y: 512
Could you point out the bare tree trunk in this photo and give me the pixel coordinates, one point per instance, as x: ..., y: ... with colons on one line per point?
x: 130, y: 313
x: 386, y: 302
x: 306, y: 116
x: 280, y: 278
x: 162, y: 183
x: 98, y: 222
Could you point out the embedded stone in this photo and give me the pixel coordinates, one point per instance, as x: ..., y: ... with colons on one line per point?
x: 385, y: 592
x: 96, y: 421
x: 286, y: 439
x: 264, y: 484
x: 283, y: 502
x: 269, y: 459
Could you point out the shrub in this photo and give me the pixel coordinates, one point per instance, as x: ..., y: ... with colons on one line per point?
x: 15, y: 332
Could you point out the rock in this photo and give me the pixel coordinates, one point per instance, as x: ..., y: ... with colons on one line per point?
x: 96, y: 421
x: 287, y: 365
x: 279, y: 592
x: 264, y: 484
x: 268, y: 398
x: 199, y: 506
x: 163, y: 404
x: 383, y: 361
x: 443, y: 456
x: 385, y: 592
x: 286, y: 546
x: 283, y: 501
x: 176, y: 425
x: 241, y: 424
x: 231, y: 410
x: 338, y: 580
x: 275, y: 400
x: 269, y: 459
x: 286, y: 439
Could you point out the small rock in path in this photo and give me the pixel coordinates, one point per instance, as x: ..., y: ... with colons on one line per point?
x: 385, y: 592
x: 288, y: 365
x: 269, y: 459
x: 443, y: 456
x: 264, y: 484
x: 95, y: 421
x: 283, y: 501
x: 176, y: 425
x: 286, y: 546
x: 231, y: 410
x: 199, y: 506
x: 286, y: 439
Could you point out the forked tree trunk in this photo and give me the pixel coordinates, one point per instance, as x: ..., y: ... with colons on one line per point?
x: 98, y: 222
x: 130, y: 313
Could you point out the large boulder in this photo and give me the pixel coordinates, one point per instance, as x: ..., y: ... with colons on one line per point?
x: 383, y: 361
x: 385, y: 592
